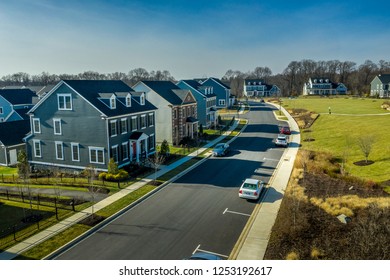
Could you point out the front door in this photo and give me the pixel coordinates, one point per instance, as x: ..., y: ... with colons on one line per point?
x: 13, y: 157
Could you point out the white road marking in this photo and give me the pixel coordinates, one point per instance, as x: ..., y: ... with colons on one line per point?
x: 209, y: 252
x: 233, y: 212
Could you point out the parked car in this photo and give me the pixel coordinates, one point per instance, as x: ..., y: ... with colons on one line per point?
x: 251, y: 189
x: 204, y: 256
x: 221, y: 149
x: 285, y: 130
x: 281, y: 140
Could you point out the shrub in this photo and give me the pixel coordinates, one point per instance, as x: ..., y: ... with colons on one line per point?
x: 122, y: 174
x: 110, y: 177
x: 292, y: 256
x: 102, y: 176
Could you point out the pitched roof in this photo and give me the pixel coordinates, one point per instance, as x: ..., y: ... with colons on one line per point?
x: 218, y: 81
x: 12, y: 133
x: 18, y: 96
x: 94, y: 90
x: 384, y: 78
x: 195, y: 84
x: 167, y: 90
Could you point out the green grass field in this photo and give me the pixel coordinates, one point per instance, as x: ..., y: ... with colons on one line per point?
x: 339, y: 134
x: 8, y: 170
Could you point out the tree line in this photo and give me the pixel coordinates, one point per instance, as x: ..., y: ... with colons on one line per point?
x: 356, y: 77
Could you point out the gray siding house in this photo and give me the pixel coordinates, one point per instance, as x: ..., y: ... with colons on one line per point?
x: 323, y: 86
x: 206, y: 101
x: 258, y: 88
x: 81, y: 124
x: 15, y: 103
x: 380, y: 86
x: 11, y: 140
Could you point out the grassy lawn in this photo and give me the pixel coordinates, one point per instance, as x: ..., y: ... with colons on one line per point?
x: 8, y: 170
x: 339, y: 134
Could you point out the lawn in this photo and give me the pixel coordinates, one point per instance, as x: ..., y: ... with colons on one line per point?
x: 8, y: 170
x: 339, y: 134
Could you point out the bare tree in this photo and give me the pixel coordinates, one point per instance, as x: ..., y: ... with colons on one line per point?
x: 365, y: 144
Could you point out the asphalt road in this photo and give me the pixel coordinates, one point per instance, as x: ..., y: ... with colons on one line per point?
x: 200, y: 211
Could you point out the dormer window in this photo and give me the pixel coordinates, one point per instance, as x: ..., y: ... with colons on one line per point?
x: 142, y: 99
x: 128, y: 100
x: 112, y: 102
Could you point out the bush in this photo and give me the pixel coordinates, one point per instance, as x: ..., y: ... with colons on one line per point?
x: 102, y: 176
x: 122, y: 175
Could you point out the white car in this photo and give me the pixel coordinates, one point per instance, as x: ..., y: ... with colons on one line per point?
x: 251, y: 189
x: 281, y: 140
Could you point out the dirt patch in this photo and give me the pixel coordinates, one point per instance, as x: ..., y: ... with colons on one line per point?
x: 363, y: 162
x: 91, y: 220
x: 304, y: 118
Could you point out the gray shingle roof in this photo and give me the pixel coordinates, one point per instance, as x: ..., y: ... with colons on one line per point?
x: 167, y: 90
x: 384, y: 78
x: 12, y: 133
x: 94, y: 90
x: 18, y: 96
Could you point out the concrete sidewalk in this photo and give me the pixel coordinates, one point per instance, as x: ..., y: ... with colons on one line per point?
x: 40, y: 237
x: 253, y: 241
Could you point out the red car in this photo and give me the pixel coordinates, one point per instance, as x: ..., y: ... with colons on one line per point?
x: 285, y: 130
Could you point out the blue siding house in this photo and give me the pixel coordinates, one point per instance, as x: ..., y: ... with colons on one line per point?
x: 84, y: 123
x: 15, y: 103
x: 224, y: 97
x: 205, y: 99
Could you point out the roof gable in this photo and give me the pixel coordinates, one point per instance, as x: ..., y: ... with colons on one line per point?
x: 12, y: 133
x: 384, y: 78
x: 165, y: 89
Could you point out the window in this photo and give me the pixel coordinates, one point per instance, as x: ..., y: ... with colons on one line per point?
x: 59, y: 150
x: 96, y: 155
x: 142, y: 99
x: 57, y: 126
x: 1, y: 110
x: 36, y: 125
x: 37, y: 148
x: 134, y: 123
x: 75, y: 151
x: 112, y: 102
x: 125, y: 151
x: 114, y: 153
x: 113, y: 130
x: 222, y: 102
x: 128, y: 100
x: 151, y: 143
x: 123, y: 126
x: 143, y: 121
x: 151, y: 120
x: 64, y: 101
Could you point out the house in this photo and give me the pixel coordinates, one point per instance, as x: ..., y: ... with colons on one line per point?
x: 205, y: 99
x: 85, y: 123
x: 15, y: 103
x: 380, y: 86
x: 258, y: 88
x: 224, y: 97
x: 176, y: 117
x: 323, y: 86
x: 11, y: 140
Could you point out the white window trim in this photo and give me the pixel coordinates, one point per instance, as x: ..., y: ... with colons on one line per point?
x: 1, y: 110
x: 117, y: 154
x: 77, y: 145
x: 54, y: 126
x: 142, y: 99
x: 62, y: 149
x: 127, y: 147
x: 35, y: 149
x: 132, y: 128
x: 116, y: 128
x: 124, y: 119
x: 96, y: 149
x: 154, y: 141
x: 128, y: 98
x: 144, y: 125
x: 64, y: 95
x: 35, y: 128
x: 151, y: 125
x: 112, y: 102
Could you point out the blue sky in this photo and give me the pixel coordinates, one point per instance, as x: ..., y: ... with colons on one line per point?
x: 188, y: 38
